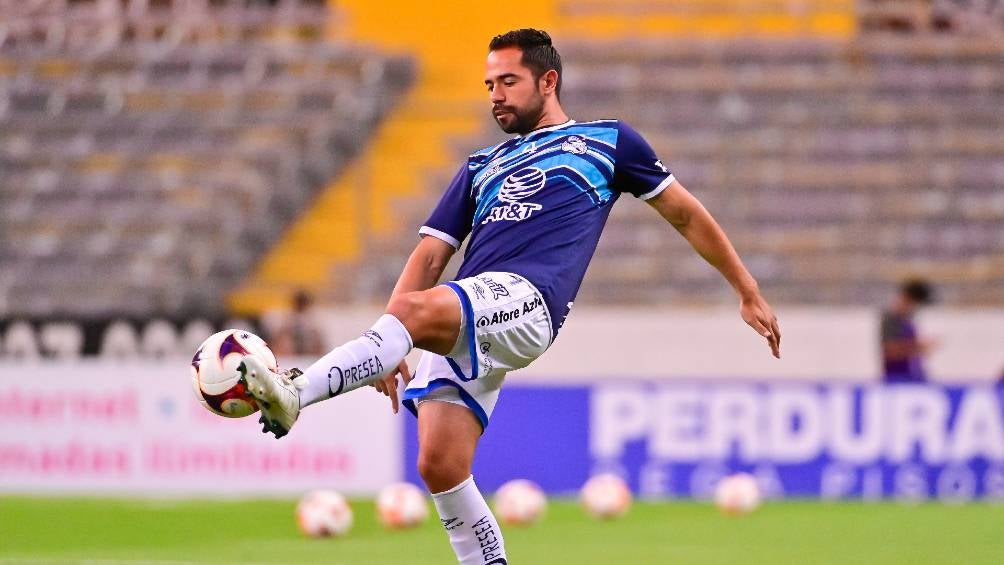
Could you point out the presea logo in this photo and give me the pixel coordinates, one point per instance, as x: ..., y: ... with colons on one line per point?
x: 517, y: 186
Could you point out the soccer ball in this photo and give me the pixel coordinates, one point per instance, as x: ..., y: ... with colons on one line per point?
x: 324, y: 513
x: 520, y: 502
x: 401, y: 505
x: 214, y: 371
x: 606, y: 496
x: 737, y: 494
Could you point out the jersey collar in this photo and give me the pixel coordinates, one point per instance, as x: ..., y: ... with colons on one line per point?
x: 545, y: 129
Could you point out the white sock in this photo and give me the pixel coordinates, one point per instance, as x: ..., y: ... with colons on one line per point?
x: 360, y: 362
x: 474, y: 533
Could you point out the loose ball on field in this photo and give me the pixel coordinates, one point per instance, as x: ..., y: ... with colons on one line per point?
x: 401, y: 505
x: 324, y: 513
x: 520, y: 503
x: 606, y: 496
x: 215, y: 378
x: 737, y: 494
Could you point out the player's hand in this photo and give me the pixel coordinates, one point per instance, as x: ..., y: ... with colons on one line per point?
x: 758, y: 314
x: 388, y: 384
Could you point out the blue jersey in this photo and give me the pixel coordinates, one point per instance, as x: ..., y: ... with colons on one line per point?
x: 536, y: 204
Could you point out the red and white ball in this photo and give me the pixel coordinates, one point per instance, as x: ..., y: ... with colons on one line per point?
x: 214, y: 371
x: 520, y: 503
x: 737, y: 494
x: 606, y: 496
x: 402, y: 505
x: 324, y: 513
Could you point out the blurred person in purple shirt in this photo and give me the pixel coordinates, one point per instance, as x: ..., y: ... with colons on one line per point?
x: 902, y: 348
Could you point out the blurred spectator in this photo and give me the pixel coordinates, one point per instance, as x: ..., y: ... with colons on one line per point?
x: 298, y: 333
x: 902, y: 349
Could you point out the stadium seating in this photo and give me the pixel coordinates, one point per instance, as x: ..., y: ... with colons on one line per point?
x: 134, y: 146
x: 148, y: 145
x: 600, y: 19
x: 838, y: 168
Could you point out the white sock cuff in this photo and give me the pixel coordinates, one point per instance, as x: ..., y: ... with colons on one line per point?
x: 467, y: 481
x: 389, y: 324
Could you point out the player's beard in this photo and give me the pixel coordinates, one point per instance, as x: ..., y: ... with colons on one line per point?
x: 520, y: 120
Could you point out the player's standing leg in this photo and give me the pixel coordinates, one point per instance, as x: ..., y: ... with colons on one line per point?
x: 447, y: 436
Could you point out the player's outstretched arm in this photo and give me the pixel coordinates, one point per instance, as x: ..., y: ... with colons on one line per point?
x: 695, y: 223
x: 423, y: 270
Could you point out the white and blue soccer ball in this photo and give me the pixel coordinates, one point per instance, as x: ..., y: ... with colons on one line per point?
x: 215, y: 378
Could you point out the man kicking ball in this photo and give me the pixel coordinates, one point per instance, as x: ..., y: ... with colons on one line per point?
x: 532, y: 210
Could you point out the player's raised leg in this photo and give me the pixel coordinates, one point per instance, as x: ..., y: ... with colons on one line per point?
x: 429, y: 319
x: 448, y: 435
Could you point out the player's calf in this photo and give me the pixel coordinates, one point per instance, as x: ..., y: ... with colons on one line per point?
x: 472, y: 528
x: 363, y: 361
x: 448, y: 436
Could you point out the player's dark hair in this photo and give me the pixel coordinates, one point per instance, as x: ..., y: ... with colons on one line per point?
x: 538, y: 54
x: 917, y: 290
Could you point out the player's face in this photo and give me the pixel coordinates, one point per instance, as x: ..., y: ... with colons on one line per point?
x: 517, y: 102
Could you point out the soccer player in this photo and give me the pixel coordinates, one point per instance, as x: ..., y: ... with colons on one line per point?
x: 903, y: 350
x: 531, y: 209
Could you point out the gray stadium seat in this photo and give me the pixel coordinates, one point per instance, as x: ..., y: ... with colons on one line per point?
x: 138, y: 141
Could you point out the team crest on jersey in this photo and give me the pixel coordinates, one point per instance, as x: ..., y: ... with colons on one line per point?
x: 516, y: 187
x: 574, y: 144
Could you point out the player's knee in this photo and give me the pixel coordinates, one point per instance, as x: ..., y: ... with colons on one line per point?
x: 411, y: 309
x: 440, y: 471
x: 424, y: 319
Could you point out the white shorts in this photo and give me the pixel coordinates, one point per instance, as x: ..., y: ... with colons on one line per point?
x: 504, y: 326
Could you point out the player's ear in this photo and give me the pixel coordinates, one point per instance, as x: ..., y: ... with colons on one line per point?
x: 548, y: 82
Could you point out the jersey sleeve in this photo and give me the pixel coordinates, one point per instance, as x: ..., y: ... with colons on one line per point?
x: 637, y: 170
x: 451, y: 219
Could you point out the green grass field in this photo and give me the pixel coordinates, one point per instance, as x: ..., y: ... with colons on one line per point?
x: 107, y: 532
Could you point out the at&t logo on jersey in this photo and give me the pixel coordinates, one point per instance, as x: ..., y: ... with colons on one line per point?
x: 517, y: 186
